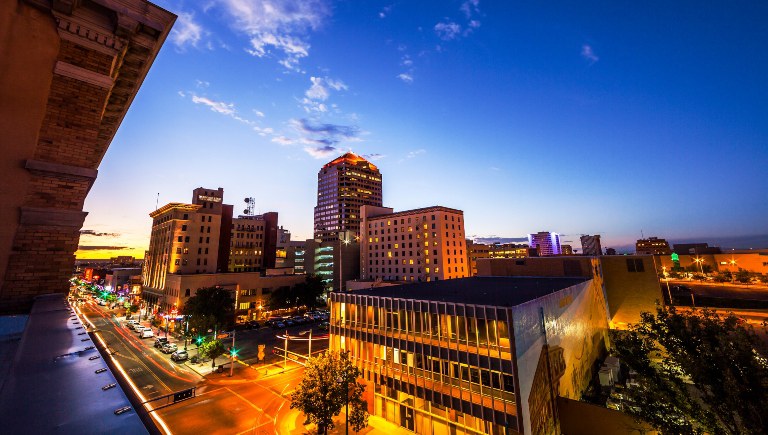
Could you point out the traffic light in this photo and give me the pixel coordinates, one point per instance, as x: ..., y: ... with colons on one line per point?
x: 233, y: 352
x: 199, y: 340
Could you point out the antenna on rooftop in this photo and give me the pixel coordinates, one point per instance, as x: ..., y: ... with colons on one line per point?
x: 157, y: 201
x: 642, y: 236
x: 251, y: 204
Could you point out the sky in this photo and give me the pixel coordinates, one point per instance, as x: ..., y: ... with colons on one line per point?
x: 613, y: 118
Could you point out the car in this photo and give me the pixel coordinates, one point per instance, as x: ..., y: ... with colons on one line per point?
x: 147, y: 333
x: 130, y: 325
x: 139, y: 328
x: 289, y: 322
x: 324, y: 326
x: 160, y: 342
x: 278, y: 325
x: 253, y: 324
x: 300, y: 320
x: 170, y: 347
x: 180, y: 355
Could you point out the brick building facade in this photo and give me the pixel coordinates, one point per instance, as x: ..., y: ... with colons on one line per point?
x: 70, y: 72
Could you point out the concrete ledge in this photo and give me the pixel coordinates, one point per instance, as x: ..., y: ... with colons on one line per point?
x: 52, y: 217
x: 60, y: 169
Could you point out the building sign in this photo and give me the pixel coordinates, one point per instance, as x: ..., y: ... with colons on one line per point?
x: 208, y: 198
x: 88, y: 274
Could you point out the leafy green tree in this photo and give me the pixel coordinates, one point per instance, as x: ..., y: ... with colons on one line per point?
x: 132, y: 309
x: 210, y: 308
x: 329, y: 383
x: 698, y: 372
x: 211, y: 349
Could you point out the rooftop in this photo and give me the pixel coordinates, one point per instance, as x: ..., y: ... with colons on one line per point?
x: 480, y: 290
x: 352, y: 158
x: 52, y: 384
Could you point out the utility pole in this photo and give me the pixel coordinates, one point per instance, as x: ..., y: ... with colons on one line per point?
x: 232, y: 356
x: 285, y: 354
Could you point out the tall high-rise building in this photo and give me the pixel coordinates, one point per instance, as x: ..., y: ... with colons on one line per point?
x: 545, y: 243
x: 590, y: 245
x: 343, y: 186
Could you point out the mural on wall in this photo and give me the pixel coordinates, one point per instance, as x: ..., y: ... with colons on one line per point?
x: 558, y: 338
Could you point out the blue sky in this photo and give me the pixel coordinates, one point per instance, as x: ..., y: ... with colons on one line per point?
x: 578, y: 117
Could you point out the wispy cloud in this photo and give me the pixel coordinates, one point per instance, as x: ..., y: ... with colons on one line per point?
x: 278, y: 25
x: 415, y: 153
x: 385, y: 11
x: 97, y: 234
x: 321, y: 152
x: 319, y: 92
x: 216, y: 106
x: 447, y: 30
x: 186, y: 32
x: 406, y: 77
x: 321, y: 138
x: 470, y: 8
x: 373, y: 156
x: 589, y: 54
x: 101, y: 248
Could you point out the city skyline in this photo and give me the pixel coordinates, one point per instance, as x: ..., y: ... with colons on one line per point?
x: 528, y: 119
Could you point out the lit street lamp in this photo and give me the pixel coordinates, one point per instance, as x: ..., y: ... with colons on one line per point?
x: 700, y: 261
x: 666, y: 278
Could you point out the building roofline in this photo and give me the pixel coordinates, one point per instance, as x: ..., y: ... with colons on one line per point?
x: 174, y: 206
x: 416, y: 211
x: 349, y: 157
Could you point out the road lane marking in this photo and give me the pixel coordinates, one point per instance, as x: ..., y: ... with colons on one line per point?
x: 245, y: 400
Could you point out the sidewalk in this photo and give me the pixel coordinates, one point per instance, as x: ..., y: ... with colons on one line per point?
x: 376, y: 426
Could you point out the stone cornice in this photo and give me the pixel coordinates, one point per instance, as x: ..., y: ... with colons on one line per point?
x: 60, y: 169
x: 84, y: 75
x: 52, y: 217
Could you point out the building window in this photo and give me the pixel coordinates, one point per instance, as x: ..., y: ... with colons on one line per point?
x: 186, y: 239
x: 180, y: 239
x: 635, y: 265
x: 183, y: 228
x: 186, y: 293
x: 177, y: 261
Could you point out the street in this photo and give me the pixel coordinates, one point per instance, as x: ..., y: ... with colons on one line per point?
x: 256, y: 399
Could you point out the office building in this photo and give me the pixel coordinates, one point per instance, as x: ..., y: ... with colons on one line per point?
x: 474, y: 355
x: 652, y: 246
x: 70, y: 71
x: 695, y: 249
x: 630, y: 282
x: 425, y: 244
x: 753, y: 261
x: 252, y: 245
x: 343, y: 186
x: 494, y: 250
x: 566, y: 250
x: 590, y: 245
x: 545, y: 243
x: 203, y: 238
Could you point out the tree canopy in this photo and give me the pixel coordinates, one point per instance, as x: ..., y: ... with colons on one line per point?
x: 330, y: 380
x: 210, y: 308
x: 307, y: 293
x: 698, y: 372
x: 211, y: 349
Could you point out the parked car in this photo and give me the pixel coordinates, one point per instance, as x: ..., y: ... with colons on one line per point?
x: 147, y: 333
x: 253, y: 324
x: 130, y: 325
x: 180, y: 355
x: 278, y: 325
x: 300, y: 320
x: 139, y: 328
x: 160, y: 342
x: 170, y: 347
x: 324, y: 326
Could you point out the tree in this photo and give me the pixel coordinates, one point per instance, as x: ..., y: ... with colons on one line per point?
x: 132, y: 309
x: 307, y: 293
x: 330, y: 381
x: 697, y: 372
x: 743, y: 277
x: 210, y: 308
x: 211, y: 349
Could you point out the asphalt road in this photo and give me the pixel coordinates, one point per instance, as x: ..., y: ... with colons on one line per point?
x: 255, y: 400
x: 752, y: 292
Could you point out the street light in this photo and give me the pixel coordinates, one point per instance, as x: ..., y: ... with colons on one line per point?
x: 341, y: 380
x: 309, y: 352
x: 700, y: 261
x: 666, y: 278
